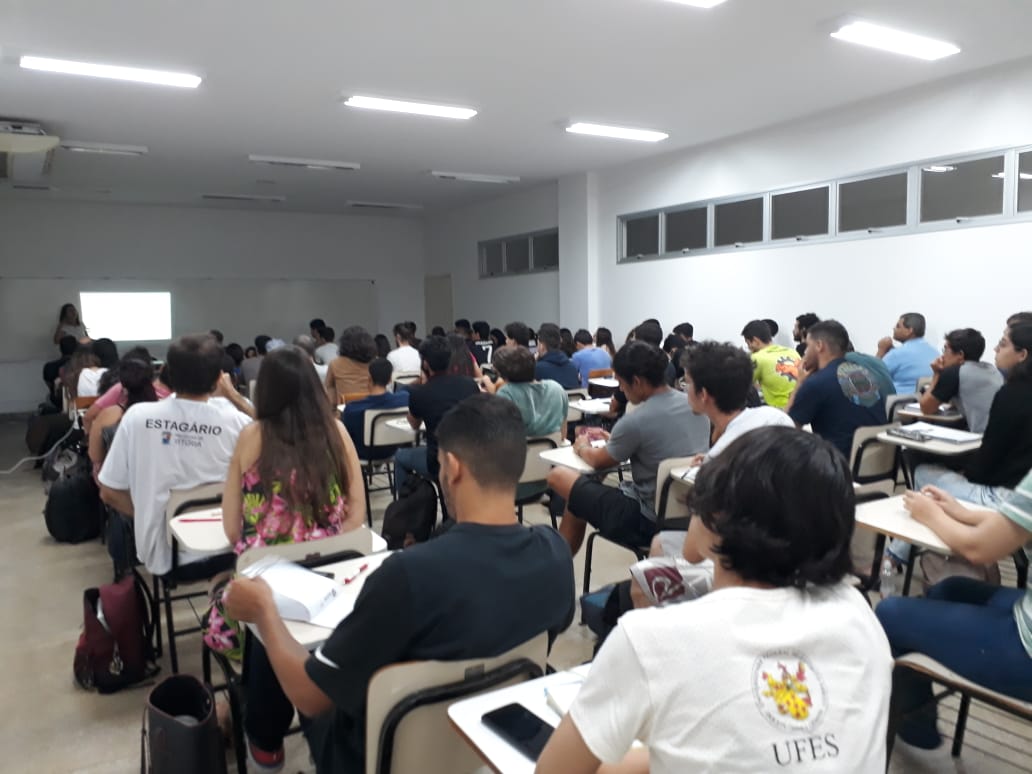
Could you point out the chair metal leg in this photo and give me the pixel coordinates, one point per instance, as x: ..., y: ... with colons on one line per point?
x: 366, y: 481
x: 962, y: 716
x: 156, y: 616
x: 909, y: 575
x: 587, y: 561
x: 173, y: 657
x: 519, y: 513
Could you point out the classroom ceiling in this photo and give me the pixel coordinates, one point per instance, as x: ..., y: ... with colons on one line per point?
x: 275, y: 76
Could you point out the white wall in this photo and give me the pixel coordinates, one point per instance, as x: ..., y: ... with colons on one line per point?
x: 452, y: 249
x: 971, y: 277
x: 73, y: 240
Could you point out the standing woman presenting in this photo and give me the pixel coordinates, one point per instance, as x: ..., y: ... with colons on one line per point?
x: 69, y: 324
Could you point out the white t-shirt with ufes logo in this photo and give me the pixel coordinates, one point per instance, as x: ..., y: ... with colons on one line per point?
x: 744, y: 680
x: 171, y: 444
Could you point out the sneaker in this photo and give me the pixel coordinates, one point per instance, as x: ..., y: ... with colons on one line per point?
x: 264, y: 762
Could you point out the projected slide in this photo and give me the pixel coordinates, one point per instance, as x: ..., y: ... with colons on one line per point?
x: 127, y: 316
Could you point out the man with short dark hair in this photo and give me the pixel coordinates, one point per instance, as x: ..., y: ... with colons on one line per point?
x: 428, y: 402
x: 485, y: 586
x: 517, y: 333
x: 325, y: 345
x: 353, y: 416
x: 552, y: 362
x: 835, y: 396
x: 463, y: 328
x: 588, y: 357
x: 686, y: 333
x: 775, y: 368
x: 481, y: 336
x: 802, y: 324
x: 183, y: 441
x: 912, y: 360
x: 250, y: 367
x: 651, y: 332
x: 315, y: 325
x: 404, y: 357
x: 962, y: 379
x: 662, y: 426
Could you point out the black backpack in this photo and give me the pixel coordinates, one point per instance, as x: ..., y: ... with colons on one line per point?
x: 413, y: 513
x: 73, y: 512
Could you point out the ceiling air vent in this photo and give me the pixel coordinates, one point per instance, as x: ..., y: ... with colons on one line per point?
x: 26, y: 150
x: 219, y: 197
x: 383, y: 206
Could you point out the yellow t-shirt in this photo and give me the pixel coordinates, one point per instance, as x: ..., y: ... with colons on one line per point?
x: 776, y: 370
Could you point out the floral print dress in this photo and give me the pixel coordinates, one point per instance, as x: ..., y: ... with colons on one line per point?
x: 268, y: 520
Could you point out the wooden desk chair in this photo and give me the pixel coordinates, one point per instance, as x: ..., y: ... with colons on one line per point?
x: 875, y: 467
x: 357, y: 542
x: 677, y: 514
x: 377, y: 434
x: 535, y: 473
x: 351, y: 397
x: 407, y: 726
x: 937, y: 673
x: 600, y: 373
x: 180, y: 501
x: 85, y: 403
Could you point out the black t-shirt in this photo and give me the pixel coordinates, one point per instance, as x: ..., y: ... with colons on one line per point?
x: 476, y: 591
x: 431, y: 401
x: 1005, y: 456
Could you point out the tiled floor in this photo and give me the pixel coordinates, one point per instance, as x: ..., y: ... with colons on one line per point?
x: 50, y: 725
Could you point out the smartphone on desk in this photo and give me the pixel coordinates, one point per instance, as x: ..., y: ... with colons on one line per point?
x: 520, y: 727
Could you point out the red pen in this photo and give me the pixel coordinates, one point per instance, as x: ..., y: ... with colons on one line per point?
x: 191, y: 521
x: 354, y: 577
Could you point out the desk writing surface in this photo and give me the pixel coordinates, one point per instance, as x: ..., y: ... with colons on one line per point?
x: 565, y: 457
x: 889, y: 517
x: 592, y: 406
x: 604, y: 381
x: 940, y: 448
x: 684, y: 476
x: 201, y: 532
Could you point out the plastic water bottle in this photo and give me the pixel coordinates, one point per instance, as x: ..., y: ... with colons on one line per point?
x: 889, y: 583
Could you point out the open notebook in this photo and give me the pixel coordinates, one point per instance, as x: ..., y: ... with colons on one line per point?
x: 947, y: 434
x: 305, y: 595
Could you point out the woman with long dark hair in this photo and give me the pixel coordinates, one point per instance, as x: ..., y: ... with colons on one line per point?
x: 294, y: 477
x: 604, y: 340
x: 136, y: 376
x: 69, y: 324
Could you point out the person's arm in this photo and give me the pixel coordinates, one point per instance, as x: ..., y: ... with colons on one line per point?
x: 599, y: 459
x: 945, y: 386
x: 803, y: 373
x: 114, y: 475
x: 884, y: 346
x: 568, y: 754
x: 108, y: 399
x: 225, y: 389
x: 104, y: 419
x: 232, y: 492
x: 250, y: 600
x: 491, y: 387
x: 119, y: 499
x: 980, y: 536
x: 356, y: 488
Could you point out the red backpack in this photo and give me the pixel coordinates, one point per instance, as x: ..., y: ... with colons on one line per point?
x: 116, y: 647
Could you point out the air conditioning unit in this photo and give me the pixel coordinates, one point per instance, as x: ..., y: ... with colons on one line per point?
x: 26, y: 150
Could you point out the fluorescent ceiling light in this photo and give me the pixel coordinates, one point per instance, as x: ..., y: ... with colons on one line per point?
x: 473, y: 177
x: 287, y: 161
x: 618, y: 132
x: 896, y: 41
x: 417, y: 108
x: 699, y: 3
x: 1021, y: 175
x: 158, y: 77
x: 105, y: 148
x: 939, y: 168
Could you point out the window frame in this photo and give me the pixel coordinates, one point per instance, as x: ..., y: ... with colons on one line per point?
x: 528, y: 236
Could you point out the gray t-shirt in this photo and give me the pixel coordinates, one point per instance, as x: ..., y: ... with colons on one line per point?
x: 661, y: 427
x: 971, y: 387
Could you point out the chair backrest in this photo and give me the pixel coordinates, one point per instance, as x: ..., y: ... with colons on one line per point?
x: 406, y: 377
x: 376, y: 431
x: 85, y: 403
x: 579, y: 393
x: 870, y: 459
x: 600, y: 373
x: 535, y: 468
x: 922, y: 383
x: 351, y: 397
x: 667, y: 506
x: 407, y: 726
x: 894, y: 403
x: 252, y: 390
x: 193, y: 498
x: 359, y: 539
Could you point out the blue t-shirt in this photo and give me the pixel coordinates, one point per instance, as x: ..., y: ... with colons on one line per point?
x: 909, y: 362
x: 556, y: 366
x: 353, y: 418
x: 837, y: 400
x: 590, y: 359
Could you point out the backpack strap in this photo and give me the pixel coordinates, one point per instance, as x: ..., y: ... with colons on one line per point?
x: 150, y: 611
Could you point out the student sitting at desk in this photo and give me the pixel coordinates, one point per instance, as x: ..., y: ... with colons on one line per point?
x: 776, y: 368
x: 482, y: 588
x: 980, y: 631
x: 662, y: 426
x: 961, y: 378
x: 552, y: 362
x: 912, y: 360
x: 782, y: 664
x: 587, y: 357
x: 353, y: 416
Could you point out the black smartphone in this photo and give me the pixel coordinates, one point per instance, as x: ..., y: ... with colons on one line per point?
x: 520, y: 727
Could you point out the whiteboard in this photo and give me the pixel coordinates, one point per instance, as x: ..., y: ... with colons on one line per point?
x: 240, y: 308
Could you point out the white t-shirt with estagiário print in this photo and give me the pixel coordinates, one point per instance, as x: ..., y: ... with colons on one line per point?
x: 744, y: 680
x: 171, y: 444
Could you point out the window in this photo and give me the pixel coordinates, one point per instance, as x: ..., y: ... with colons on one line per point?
x: 520, y: 254
x: 641, y: 236
x: 877, y: 202
x: 738, y: 222
x: 546, y: 251
x: 128, y: 316
x: 1025, y: 181
x: 686, y: 230
x: 517, y: 255
x: 799, y: 213
x: 962, y: 190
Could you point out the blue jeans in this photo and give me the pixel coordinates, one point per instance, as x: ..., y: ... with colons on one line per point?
x: 953, y: 482
x: 968, y: 627
x: 408, y: 459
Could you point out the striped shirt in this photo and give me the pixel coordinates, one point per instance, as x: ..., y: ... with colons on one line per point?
x: 1019, y: 510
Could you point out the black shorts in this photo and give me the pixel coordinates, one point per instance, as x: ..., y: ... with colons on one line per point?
x: 614, y: 514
